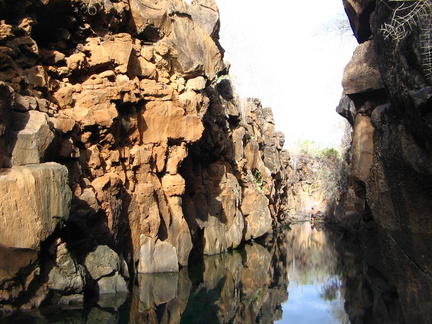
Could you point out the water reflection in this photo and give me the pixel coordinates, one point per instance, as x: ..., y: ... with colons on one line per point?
x: 251, y: 285
x: 316, y: 288
x: 294, y: 276
x: 245, y: 286
x: 248, y: 288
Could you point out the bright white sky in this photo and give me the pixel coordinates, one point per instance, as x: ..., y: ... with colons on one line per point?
x: 281, y: 52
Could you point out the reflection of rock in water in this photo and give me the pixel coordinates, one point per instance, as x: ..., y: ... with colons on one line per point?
x: 310, y: 253
x: 239, y: 287
x: 250, y: 284
x: 370, y: 297
x: 247, y: 286
x: 160, y: 297
x: 347, y: 266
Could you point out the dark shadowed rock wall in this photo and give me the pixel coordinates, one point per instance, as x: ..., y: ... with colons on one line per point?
x: 388, y: 101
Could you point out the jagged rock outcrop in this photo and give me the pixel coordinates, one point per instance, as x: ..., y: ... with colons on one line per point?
x: 392, y: 141
x: 240, y: 195
x: 164, y: 161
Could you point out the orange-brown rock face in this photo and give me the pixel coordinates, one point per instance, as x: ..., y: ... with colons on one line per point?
x: 131, y: 97
x: 234, y: 191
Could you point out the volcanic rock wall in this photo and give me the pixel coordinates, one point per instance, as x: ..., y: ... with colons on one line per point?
x: 318, y: 180
x: 388, y: 101
x: 123, y: 146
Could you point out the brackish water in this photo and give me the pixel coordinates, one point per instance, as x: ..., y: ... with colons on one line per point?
x: 302, y: 274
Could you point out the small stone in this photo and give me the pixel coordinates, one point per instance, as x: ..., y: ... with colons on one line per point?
x: 147, y: 52
x: 64, y: 123
x: 5, y: 31
x: 24, y: 103
x: 51, y: 57
x: 37, y: 76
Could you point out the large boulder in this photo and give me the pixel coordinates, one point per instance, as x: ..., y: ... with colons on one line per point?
x: 103, y: 265
x: 35, y: 199
x: 191, y: 43
x: 362, y: 73
x: 102, y: 262
x: 195, y: 52
x: 157, y: 256
x: 150, y: 18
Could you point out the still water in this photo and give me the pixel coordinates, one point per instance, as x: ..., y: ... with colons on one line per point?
x: 293, y: 276
x: 316, y: 289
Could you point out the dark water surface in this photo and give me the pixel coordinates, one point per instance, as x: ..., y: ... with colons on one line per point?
x: 302, y: 274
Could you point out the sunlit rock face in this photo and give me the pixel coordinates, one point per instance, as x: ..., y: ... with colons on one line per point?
x: 392, y: 145
x: 234, y: 190
x: 131, y: 99
x: 35, y: 200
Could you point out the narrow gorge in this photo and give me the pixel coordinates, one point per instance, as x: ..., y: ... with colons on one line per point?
x: 125, y: 151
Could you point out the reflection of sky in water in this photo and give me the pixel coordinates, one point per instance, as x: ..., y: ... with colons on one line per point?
x: 306, y: 306
x: 314, y: 288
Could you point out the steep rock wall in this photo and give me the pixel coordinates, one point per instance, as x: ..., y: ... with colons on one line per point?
x: 388, y: 89
x: 317, y: 180
x: 236, y: 176
x: 164, y: 162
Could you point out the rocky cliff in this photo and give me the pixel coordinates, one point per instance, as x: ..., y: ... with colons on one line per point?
x: 123, y: 147
x: 318, y: 180
x: 387, y: 87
